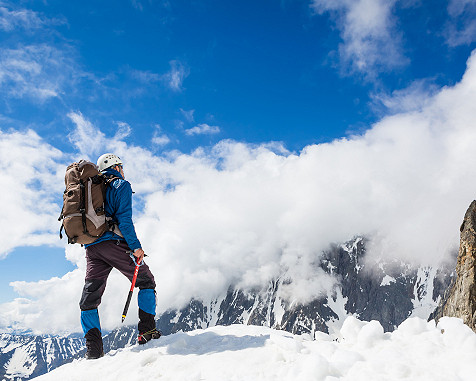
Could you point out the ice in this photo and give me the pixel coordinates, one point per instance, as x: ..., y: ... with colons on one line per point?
x: 416, y: 350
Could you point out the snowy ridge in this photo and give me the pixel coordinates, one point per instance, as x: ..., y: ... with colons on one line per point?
x: 24, y: 357
x: 360, y: 351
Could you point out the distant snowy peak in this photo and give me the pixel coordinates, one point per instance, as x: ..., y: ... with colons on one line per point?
x: 25, y: 357
x: 386, y: 292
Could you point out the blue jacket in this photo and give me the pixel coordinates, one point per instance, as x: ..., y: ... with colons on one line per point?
x: 118, y: 205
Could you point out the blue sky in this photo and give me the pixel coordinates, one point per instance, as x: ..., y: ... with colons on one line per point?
x: 260, y: 72
x: 172, y: 77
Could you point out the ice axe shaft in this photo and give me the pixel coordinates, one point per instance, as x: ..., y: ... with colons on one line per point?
x: 131, y: 291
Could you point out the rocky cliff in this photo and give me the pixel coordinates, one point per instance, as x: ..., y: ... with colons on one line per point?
x: 460, y: 298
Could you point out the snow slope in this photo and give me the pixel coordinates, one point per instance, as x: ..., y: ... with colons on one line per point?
x: 417, y: 350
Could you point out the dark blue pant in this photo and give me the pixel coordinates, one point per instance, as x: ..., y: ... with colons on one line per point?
x: 100, y: 259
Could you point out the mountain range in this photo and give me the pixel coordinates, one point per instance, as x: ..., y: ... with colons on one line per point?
x: 389, y: 292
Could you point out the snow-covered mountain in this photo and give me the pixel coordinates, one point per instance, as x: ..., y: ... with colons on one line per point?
x: 386, y: 292
x: 359, y: 351
x: 25, y: 356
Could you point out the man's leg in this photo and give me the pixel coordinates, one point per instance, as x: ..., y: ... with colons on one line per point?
x: 146, y: 299
x: 147, y: 303
x: 97, y: 271
x: 118, y: 257
x: 92, y: 333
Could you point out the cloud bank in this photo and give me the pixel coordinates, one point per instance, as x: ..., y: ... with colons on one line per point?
x: 30, y: 173
x: 242, y: 214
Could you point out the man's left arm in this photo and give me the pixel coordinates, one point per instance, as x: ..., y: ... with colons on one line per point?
x: 124, y: 215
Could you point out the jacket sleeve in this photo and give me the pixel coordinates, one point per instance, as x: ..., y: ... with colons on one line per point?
x: 123, y: 213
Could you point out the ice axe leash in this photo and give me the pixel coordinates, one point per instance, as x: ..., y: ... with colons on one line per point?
x: 131, y: 291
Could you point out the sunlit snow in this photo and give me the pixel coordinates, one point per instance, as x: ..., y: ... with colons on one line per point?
x: 417, y: 350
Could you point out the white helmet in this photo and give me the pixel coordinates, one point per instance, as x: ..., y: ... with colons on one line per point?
x: 108, y: 160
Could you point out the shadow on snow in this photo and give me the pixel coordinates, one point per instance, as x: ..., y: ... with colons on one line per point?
x: 207, y: 342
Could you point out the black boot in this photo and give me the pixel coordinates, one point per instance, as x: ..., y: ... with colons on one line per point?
x: 146, y: 326
x: 147, y: 336
x: 94, y: 344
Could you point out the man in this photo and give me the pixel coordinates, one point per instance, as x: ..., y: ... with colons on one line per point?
x: 112, y: 250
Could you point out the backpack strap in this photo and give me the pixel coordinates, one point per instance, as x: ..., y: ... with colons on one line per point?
x: 82, y: 206
x: 111, y: 223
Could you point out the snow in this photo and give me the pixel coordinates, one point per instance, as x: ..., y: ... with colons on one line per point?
x: 278, y: 308
x: 387, y: 280
x: 337, y: 304
x: 213, y: 311
x: 423, y: 303
x: 417, y: 350
x: 22, y: 363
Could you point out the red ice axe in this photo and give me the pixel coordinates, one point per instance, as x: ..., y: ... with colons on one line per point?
x: 128, y: 301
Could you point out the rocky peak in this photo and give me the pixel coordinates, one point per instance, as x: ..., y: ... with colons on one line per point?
x: 460, y: 298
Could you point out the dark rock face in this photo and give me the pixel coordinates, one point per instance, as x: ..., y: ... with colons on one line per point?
x: 373, y: 292
x: 460, y: 299
x: 387, y: 292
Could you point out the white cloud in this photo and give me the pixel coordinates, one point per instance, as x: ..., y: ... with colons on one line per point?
x: 413, y: 98
x: 461, y: 26
x: 159, y: 138
x: 202, y: 129
x: 89, y: 141
x: 31, y: 181
x: 175, y: 77
x: 12, y: 18
x: 188, y: 115
x: 38, y: 72
x: 43, y: 297
x: 123, y: 131
x: 145, y: 77
x: 371, y: 42
x: 241, y: 213
x: 20, y: 18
